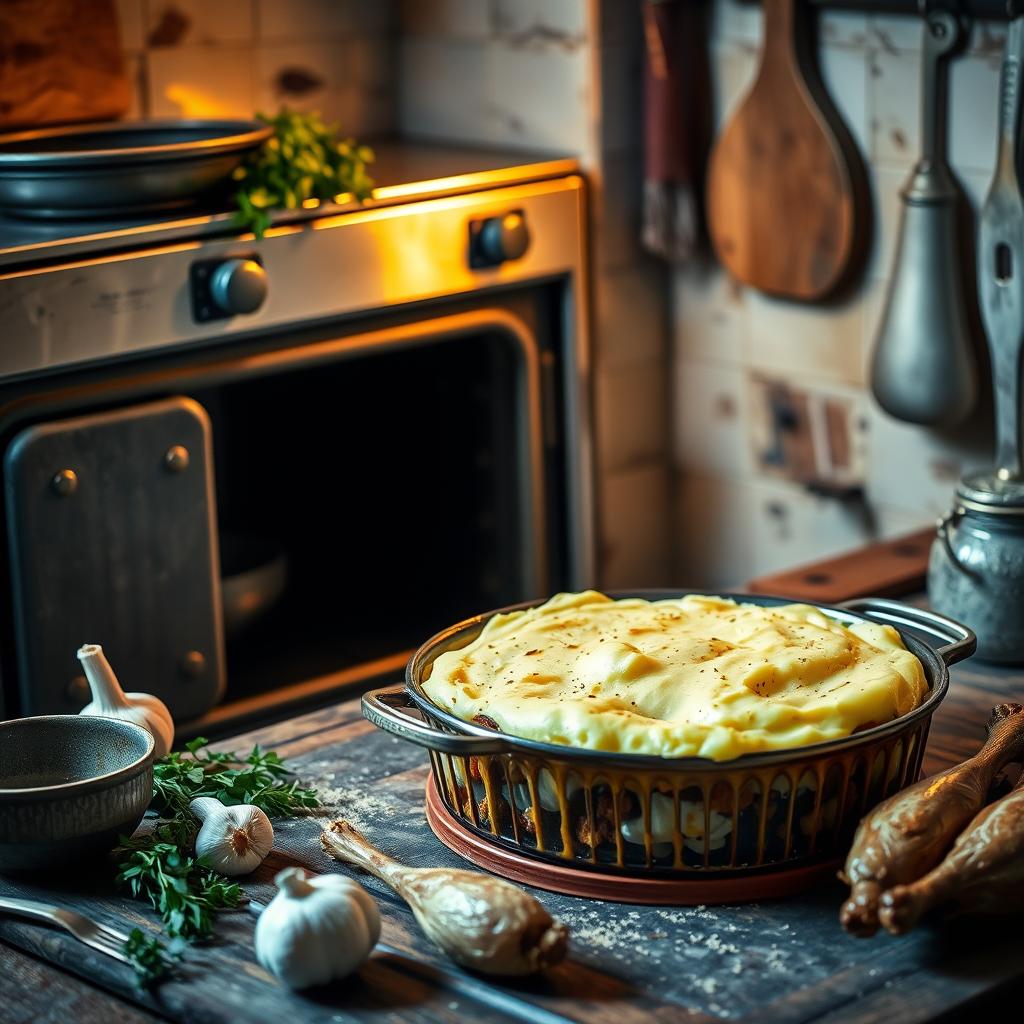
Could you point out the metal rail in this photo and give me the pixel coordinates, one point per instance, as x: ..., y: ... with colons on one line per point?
x: 989, y: 9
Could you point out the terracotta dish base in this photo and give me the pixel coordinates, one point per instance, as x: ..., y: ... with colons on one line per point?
x: 596, y: 884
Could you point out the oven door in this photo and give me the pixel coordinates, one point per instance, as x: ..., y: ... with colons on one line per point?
x: 367, y: 485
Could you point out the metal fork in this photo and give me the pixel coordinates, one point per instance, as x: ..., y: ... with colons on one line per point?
x: 92, y: 933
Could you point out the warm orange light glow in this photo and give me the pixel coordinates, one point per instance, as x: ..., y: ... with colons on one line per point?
x: 195, y: 103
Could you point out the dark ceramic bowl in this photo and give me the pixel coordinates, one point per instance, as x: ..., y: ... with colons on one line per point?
x: 69, y: 786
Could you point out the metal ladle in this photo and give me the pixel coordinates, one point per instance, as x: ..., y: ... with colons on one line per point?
x: 923, y: 369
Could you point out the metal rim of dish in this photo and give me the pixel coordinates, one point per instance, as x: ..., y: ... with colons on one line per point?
x: 794, y: 807
x: 77, y: 787
x: 225, y: 136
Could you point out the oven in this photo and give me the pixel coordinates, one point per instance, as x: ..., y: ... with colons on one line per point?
x: 261, y: 472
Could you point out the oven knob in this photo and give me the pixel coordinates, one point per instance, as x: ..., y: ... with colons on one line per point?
x: 502, y: 238
x: 238, y: 286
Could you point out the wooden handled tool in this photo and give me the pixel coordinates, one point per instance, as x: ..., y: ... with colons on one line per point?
x: 786, y: 190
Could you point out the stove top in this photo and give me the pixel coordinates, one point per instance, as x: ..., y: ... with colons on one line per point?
x: 404, y: 172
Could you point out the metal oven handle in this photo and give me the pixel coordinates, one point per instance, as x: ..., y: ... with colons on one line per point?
x: 958, y: 641
x: 388, y: 708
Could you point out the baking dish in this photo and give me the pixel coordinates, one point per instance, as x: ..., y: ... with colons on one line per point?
x: 514, y: 804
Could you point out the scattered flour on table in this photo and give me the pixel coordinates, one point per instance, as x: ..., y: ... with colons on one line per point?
x: 362, y: 807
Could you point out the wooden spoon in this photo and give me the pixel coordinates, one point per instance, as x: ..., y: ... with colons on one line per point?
x: 786, y: 191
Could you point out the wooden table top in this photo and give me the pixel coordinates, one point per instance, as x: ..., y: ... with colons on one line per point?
x: 783, y: 961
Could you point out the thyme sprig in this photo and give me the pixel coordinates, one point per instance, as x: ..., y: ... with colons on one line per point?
x: 158, y: 864
x: 257, y: 778
x: 148, y: 955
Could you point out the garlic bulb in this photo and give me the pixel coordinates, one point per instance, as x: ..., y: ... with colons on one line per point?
x: 316, y: 929
x: 110, y: 701
x: 233, y: 840
x: 480, y: 921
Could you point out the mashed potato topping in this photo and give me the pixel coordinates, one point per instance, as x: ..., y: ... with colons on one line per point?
x: 687, y: 676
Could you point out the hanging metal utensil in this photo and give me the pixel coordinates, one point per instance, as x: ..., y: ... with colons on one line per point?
x: 1001, y: 266
x: 976, y: 570
x: 923, y: 369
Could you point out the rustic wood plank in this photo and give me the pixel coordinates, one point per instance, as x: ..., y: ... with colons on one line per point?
x: 782, y: 961
x: 33, y: 992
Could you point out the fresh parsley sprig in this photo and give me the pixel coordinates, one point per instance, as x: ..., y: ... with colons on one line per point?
x: 302, y: 160
x: 148, y: 955
x: 157, y: 865
x: 183, y: 892
x: 257, y: 778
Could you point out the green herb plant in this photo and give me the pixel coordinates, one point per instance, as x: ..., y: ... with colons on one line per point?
x: 148, y: 956
x: 301, y: 161
x: 157, y: 865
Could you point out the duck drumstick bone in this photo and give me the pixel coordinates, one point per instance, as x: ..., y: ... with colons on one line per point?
x: 908, y: 834
x: 984, y: 872
x: 480, y: 921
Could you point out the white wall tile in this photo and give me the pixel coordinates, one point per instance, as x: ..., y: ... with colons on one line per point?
x: 915, y: 469
x: 895, y: 32
x: 895, y: 95
x: 371, y: 62
x: 538, y: 97
x: 320, y: 67
x: 634, y: 546
x: 470, y: 19
x: 366, y: 113
x: 713, y: 526
x: 894, y: 79
x: 973, y: 100
x: 709, y: 314
x: 891, y: 522
x: 887, y: 208
x: 842, y: 28
x: 631, y: 314
x: 190, y: 22
x: 200, y: 81
x: 711, y: 430
x: 631, y: 407
x: 792, y: 527
x: 845, y: 76
x: 988, y: 37
x: 442, y: 91
x: 809, y: 341
x: 733, y: 68
x: 904, y: 33
x: 737, y: 22
x: 292, y: 20
x: 560, y: 21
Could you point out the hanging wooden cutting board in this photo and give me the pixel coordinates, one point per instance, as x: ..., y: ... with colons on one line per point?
x: 786, y: 190
x: 60, y: 61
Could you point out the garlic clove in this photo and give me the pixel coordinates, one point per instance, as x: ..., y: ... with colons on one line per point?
x: 316, y: 930
x: 232, y: 840
x: 110, y: 701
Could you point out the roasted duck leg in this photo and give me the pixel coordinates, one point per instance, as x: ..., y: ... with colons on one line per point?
x: 984, y: 871
x: 908, y: 834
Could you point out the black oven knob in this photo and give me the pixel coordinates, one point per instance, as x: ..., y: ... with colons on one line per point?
x: 497, y: 239
x: 238, y: 286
